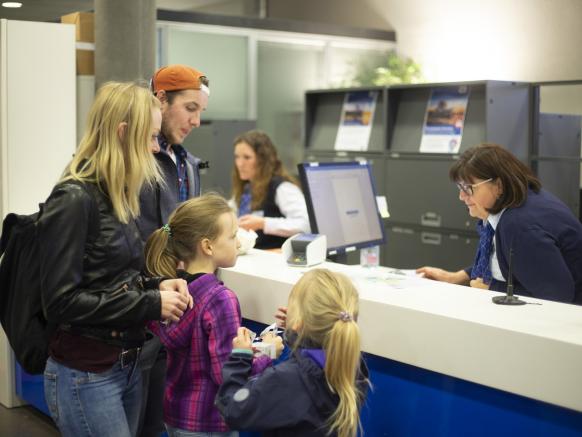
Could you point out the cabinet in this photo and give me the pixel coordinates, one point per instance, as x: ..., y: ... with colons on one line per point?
x: 428, y: 224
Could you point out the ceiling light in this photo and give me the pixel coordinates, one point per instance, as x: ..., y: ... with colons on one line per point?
x: 12, y: 4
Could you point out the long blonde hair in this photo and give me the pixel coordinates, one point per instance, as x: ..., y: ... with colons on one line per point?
x: 190, y: 223
x: 118, y: 166
x: 324, y: 306
x: 268, y: 166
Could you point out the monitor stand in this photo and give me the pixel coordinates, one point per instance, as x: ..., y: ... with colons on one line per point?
x: 339, y: 258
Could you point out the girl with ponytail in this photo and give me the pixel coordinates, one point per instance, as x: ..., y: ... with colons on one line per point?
x: 201, y: 234
x: 320, y: 389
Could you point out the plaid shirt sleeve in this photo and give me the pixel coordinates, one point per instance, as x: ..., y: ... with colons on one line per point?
x: 221, y: 321
x: 260, y: 363
x: 175, y: 335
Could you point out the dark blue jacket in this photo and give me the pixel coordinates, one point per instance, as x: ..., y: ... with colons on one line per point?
x: 289, y: 399
x: 159, y: 201
x: 547, y: 249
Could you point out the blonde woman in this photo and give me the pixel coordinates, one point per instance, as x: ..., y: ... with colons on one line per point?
x: 202, y: 234
x: 319, y: 390
x: 91, y: 258
x: 267, y: 199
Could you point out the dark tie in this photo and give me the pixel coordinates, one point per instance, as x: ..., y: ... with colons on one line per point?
x: 482, y: 262
x: 245, y: 201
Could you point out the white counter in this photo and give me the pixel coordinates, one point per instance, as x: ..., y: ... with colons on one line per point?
x: 531, y: 350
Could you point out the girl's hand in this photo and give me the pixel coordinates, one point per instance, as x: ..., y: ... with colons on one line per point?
x: 242, y: 339
x: 281, y: 316
x: 271, y: 338
x: 251, y: 222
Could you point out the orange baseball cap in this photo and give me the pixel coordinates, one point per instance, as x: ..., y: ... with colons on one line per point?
x: 178, y: 77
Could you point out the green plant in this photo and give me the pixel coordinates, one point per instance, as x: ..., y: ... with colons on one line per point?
x: 396, y: 70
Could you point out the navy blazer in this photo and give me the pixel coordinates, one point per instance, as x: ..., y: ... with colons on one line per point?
x: 546, y: 239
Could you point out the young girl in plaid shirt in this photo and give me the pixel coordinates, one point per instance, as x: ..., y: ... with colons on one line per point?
x: 201, y: 233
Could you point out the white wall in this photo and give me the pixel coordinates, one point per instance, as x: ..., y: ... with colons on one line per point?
x: 453, y: 40
x: 529, y: 40
x: 37, y: 127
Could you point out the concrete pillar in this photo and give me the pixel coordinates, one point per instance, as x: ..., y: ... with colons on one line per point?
x: 125, y: 40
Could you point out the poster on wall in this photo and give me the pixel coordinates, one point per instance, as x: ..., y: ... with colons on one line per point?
x: 356, y: 121
x: 444, y: 120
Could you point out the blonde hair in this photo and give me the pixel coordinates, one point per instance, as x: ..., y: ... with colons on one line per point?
x: 268, y: 166
x: 324, y: 305
x: 190, y: 223
x: 118, y: 166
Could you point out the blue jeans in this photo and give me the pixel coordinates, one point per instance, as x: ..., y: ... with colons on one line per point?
x: 176, y: 432
x: 94, y: 404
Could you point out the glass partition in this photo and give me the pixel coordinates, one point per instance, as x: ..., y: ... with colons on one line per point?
x: 224, y: 59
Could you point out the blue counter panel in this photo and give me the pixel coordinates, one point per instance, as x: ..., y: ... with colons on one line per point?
x: 408, y: 401
x: 31, y: 389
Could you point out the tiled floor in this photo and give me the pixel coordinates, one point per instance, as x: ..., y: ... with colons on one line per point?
x: 25, y: 422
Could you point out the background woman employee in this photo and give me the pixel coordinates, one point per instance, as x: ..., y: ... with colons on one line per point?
x: 267, y: 198
x: 516, y: 215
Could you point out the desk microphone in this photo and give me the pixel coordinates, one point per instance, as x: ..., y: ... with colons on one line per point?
x: 509, y: 298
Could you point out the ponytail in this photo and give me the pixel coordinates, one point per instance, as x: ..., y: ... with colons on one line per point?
x: 324, y: 305
x: 191, y: 222
x: 159, y: 260
x: 342, y: 349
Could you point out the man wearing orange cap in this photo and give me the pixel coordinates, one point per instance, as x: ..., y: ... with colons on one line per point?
x: 183, y: 93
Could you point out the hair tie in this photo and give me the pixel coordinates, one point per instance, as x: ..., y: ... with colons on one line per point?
x: 344, y: 316
x: 167, y: 230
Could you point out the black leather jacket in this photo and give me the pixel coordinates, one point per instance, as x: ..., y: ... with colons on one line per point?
x: 91, y: 264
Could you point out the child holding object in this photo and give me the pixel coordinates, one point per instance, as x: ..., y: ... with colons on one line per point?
x: 201, y: 233
x: 320, y: 389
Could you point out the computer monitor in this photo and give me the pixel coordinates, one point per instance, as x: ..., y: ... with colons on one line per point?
x: 341, y: 203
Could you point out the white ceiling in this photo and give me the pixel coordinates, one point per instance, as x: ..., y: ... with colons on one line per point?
x: 51, y: 10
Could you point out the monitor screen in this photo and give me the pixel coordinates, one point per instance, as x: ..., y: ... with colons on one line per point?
x: 341, y: 202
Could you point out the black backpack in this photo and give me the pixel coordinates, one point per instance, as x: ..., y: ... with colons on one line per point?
x: 21, y: 311
x: 20, y: 304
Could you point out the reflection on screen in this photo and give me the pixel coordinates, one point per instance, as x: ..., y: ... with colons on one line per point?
x: 342, y: 204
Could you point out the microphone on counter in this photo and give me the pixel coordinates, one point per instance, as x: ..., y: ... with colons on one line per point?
x: 509, y: 298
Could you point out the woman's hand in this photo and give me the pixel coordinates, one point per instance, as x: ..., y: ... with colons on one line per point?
x: 478, y: 283
x: 281, y: 316
x: 251, y: 222
x: 179, y: 286
x: 175, y: 299
x: 437, y: 274
x: 271, y: 338
x: 242, y: 339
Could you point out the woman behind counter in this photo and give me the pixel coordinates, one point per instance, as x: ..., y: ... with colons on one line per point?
x: 516, y: 215
x: 266, y: 197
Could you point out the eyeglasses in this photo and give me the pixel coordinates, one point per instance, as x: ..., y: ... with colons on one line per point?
x: 469, y: 189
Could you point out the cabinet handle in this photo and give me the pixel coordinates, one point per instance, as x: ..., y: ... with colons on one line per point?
x: 431, y: 238
x: 399, y: 230
x: 430, y: 219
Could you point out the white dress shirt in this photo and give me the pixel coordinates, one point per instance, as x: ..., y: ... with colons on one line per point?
x: 291, y: 202
x: 493, y: 220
